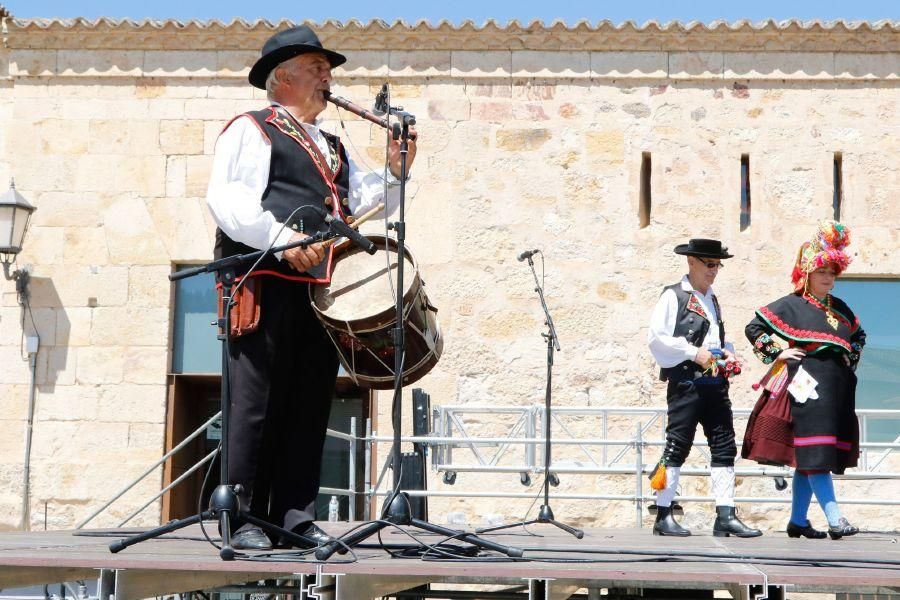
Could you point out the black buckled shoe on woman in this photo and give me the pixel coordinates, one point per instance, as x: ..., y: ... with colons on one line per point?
x: 843, y: 528
x: 806, y: 531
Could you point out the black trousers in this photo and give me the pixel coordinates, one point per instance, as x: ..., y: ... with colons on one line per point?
x: 691, y: 403
x: 282, y: 382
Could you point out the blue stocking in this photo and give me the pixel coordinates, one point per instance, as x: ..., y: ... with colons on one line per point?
x: 823, y: 486
x: 801, y: 495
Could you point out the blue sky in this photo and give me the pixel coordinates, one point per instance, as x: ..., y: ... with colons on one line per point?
x: 460, y: 10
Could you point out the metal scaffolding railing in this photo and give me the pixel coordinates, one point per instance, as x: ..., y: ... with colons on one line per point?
x: 518, y: 450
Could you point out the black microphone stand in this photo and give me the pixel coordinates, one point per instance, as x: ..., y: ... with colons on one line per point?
x: 396, y: 510
x: 224, y: 503
x: 545, y: 514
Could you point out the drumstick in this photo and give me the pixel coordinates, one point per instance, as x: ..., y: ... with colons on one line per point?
x: 358, y: 221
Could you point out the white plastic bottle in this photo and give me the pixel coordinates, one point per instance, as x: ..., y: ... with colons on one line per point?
x: 333, y: 509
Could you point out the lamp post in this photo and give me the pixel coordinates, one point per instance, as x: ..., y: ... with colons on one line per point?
x: 15, y: 213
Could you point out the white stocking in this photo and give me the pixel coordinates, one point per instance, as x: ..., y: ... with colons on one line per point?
x: 723, y: 485
x: 665, y: 496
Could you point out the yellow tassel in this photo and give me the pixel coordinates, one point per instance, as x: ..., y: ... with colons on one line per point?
x: 658, y: 477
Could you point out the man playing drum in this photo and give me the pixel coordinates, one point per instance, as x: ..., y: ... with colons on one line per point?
x: 273, y: 174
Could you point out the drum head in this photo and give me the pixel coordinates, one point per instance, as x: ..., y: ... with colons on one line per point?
x: 363, y: 285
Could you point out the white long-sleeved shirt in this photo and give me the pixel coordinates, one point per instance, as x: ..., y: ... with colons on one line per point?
x: 240, y: 174
x: 669, y: 351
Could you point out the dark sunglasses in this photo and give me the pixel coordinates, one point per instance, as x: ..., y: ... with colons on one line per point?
x: 710, y: 264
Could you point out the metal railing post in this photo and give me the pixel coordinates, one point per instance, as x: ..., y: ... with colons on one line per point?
x: 638, y: 475
x: 351, y: 483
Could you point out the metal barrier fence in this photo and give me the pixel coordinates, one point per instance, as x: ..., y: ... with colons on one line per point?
x: 450, y: 434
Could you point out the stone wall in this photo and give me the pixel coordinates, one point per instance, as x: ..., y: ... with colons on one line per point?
x: 531, y: 137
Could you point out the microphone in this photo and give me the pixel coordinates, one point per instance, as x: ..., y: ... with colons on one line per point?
x: 348, y: 232
x: 380, y: 107
x: 527, y: 254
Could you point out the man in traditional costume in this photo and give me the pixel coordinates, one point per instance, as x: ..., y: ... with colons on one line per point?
x: 274, y: 177
x: 806, y: 416
x: 687, y: 340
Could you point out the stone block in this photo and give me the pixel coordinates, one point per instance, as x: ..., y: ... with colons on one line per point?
x: 100, y: 62
x: 550, y: 65
x: 419, y: 63
x: 132, y: 403
x: 13, y: 369
x: 50, y: 173
x: 218, y: 108
x: 47, y: 136
x: 176, y: 176
x: 211, y: 131
x: 146, y: 365
x: 166, y: 108
x: 608, y: 144
x: 471, y: 64
x: 67, y: 209
x: 149, y: 286
x: 779, y: 65
x: 115, y: 136
x: 33, y: 63
x: 862, y: 65
x: 619, y: 65
x: 97, y: 365
x: 14, y: 402
x: 46, y: 242
x: 178, y: 63
x: 85, y: 246
x: 59, y: 366
x: 134, y: 326
x: 519, y: 140
x: 78, y: 286
x: 362, y: 63
x: 131, y: 235
x: 182, y: 228
x: 198, y: 169
x: 67, y: 403
x: 696, y: 65
x: 146, y: 435
x: 181, y: 137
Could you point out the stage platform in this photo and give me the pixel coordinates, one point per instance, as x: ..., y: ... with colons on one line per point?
x: 555, y: 564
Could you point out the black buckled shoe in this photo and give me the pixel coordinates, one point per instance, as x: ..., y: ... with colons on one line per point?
x: 311, y: 531
x: 843, y: 528
x: 806, y: 531
x: 666, y: 524
x: 251, y: 539
x: 728, y: 524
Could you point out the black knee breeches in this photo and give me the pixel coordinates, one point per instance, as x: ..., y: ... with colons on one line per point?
x: 691, y: 403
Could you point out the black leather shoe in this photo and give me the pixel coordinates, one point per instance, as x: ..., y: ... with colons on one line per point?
x: 806, y: 531
x: 666, y: 523
x: 843, y: 528
x: 310, y: 531
x: 728, y: 524
x: 251, y: 539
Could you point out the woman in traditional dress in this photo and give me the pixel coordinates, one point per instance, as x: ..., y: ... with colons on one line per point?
x: 805, y: 417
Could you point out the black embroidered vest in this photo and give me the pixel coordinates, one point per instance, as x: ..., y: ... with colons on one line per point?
x: 299, y: 177
x: 692, y: 324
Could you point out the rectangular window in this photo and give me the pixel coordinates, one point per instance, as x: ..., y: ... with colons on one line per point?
x: 745, y: 191
x: 838, y: 174
x: 879, y: 369
x: 195, y: 346
x: 645, y: 195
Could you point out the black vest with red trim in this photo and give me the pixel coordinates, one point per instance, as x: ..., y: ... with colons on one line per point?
x: 299, y: 177
x: 692, y: 323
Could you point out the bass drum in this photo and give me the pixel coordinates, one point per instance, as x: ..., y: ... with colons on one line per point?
x: 358, y: 311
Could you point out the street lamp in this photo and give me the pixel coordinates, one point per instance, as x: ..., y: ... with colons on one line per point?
x: 15, y: 212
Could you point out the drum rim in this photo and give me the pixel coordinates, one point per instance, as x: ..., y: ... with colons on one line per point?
x: 389, y: 313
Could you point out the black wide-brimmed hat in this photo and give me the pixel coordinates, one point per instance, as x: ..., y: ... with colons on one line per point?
x: 703, y: 248
x: 287, y: 44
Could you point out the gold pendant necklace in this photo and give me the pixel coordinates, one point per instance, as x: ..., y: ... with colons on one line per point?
x: 829, y: 316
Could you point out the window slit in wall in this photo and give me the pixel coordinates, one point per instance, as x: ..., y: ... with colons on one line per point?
x: 645, y: 198
x: 745, y: 191
x: 838, y: 174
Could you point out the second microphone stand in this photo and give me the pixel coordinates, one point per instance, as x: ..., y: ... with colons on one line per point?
x: 545, y: 514
x: 397, y: 510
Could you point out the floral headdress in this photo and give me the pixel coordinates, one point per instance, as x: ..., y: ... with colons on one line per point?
x: 826, y: 248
